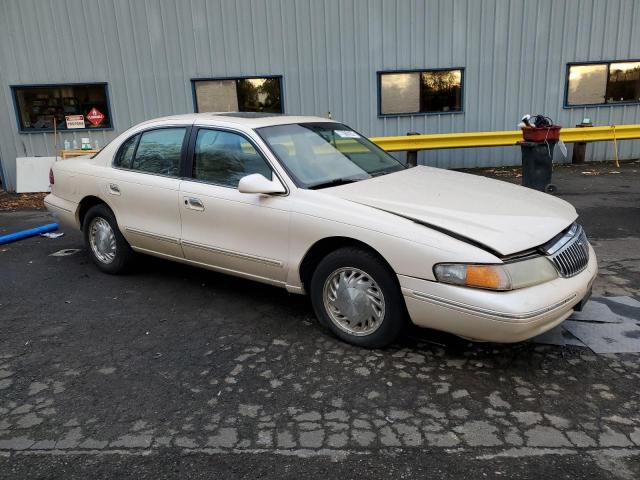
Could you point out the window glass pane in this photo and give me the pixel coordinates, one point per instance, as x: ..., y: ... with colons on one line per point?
x: 624, y: 82
x: 316, y: 153
x: 39, y: 106
x: 239, y: 95
x: 126, y: 152
x: 216, y: 96
x: 441, y: 91
x: 159, y: 151
x: 259, y: 95
x: 399, y: 93
x: 224, y: 158
x: 587, y: 84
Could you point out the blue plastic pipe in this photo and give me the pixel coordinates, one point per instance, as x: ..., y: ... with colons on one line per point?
x: 12, y: 237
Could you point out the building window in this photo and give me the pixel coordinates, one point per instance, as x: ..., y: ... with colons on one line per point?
x: 73, y: 106
x: 248, y: 94
x: 606, y: 83
x: 420, y: 92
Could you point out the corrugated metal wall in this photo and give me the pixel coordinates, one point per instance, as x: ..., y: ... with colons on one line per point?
x: 514, y: 53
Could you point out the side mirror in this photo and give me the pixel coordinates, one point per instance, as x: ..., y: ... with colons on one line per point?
x: 256, y: 183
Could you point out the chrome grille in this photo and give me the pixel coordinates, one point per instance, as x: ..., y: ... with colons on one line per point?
x: 572, y: 257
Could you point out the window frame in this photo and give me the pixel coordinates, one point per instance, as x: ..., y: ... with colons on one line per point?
x: 379, y: 74
x: 191, y: 151
x: 240, y: 77
x: 139, y: 133
x: 14, y: 96
x: 608, y: 63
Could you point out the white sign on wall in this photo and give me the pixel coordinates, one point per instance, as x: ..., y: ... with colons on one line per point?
x: 75, y: 121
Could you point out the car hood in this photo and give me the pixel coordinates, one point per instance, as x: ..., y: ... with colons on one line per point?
x: 501, y: 216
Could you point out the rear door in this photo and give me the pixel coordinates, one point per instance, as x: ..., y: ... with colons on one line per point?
x: 241, y: 233
x: 144, y: 189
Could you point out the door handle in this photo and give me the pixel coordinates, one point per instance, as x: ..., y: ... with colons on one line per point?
x: 194, y: 203
x: 114, y: 189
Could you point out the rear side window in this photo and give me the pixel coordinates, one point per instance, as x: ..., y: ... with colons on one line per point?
x: 158, y: 152
x: 125, y: 154
x: 224, y: 158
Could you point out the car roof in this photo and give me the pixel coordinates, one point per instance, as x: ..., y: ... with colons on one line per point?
x: 246, y: 119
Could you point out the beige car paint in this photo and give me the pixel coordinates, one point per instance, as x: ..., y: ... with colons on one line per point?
x: 147, y: 208
x: 243, y: 232
x: 266, y: 237
x: 504, y: 217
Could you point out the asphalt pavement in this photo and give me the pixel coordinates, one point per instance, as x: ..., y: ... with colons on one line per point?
x: 177, y: 372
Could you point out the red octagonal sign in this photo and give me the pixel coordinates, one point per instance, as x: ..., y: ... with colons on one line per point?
x: 95, y: 116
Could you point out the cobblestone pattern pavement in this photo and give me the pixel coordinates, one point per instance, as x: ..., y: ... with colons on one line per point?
x: 177, y: 358
x: 319, y: 396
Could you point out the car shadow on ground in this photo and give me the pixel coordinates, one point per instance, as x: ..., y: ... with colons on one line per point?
x: 299, y: 306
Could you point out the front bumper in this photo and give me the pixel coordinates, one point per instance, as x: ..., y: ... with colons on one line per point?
x: 496, y: 316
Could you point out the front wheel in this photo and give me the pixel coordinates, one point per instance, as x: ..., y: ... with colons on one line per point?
x: 358, y: 298
x: 107, y: 247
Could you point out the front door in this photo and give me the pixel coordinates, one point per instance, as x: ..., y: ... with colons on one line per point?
x: 245, y: 234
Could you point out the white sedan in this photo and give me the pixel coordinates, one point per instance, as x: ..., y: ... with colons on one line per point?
x: 308, y: 204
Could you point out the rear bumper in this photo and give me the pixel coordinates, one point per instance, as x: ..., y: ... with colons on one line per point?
x: 496, y: 316
x: 63, y: 210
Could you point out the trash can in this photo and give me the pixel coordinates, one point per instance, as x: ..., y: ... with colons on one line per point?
x: 537, y: 165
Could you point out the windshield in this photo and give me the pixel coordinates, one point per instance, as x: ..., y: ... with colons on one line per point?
x: 325, y: 154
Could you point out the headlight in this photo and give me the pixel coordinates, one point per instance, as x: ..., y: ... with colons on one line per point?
x: 504, y: 276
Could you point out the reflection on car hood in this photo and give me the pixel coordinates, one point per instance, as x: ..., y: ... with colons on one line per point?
x: 504, y: 217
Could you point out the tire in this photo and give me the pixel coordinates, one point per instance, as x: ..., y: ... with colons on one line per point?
x: 356, y: 280
x: 122, y: 253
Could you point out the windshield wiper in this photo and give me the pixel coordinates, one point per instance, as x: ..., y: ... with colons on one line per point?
x: 335, y: 182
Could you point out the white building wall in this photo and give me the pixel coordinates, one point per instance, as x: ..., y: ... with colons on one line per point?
x: 514, y: 53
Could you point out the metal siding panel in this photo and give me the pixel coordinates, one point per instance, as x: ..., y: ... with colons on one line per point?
x: 158, y: 54
x: 304, y: 57
x: 514, y: 54
x: 258, y: 12
x: 7, y: 117
x: 178, y: 100
x: 290, y: 56
x: 241, y: 12
x: 376, y: 45
x: 320, y: 74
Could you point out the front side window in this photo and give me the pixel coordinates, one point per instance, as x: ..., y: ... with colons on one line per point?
x: 223, y: 158
x: 324, y: 154
x: 67, y: 107
x: 607, y: 83
x: 417, y: 92
x: 257, y: 94
x: 158, y: 151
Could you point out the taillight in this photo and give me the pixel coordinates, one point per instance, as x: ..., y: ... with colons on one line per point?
x: 52, y: 180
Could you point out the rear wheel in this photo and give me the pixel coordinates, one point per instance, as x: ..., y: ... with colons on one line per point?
x: 357, y: 297
x: 107, y: 247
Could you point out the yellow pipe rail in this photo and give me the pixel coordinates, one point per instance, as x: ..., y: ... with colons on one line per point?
x: 501, y: 138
